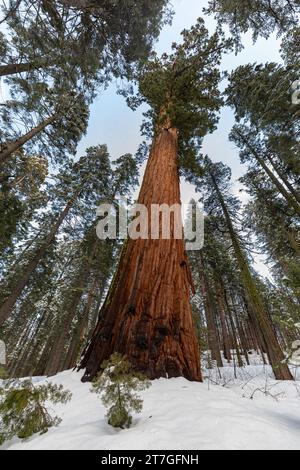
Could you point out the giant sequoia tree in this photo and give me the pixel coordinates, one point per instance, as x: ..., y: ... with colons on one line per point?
x: 87, y: 178
x: 147, y: 314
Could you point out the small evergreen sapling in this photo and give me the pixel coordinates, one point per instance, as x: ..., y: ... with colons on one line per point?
x: 116, y: 386
x: 23, y: 411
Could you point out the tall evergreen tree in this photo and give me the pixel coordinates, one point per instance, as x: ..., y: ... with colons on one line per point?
x: 217, y: 186
x: 147, y: 314
x: 20, y: 195
x: 90, y: 172
x: 60, y: 304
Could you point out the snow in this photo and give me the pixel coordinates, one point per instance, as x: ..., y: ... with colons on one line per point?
x: 249, y: 411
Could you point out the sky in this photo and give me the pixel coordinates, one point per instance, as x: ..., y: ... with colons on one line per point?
x: 113, y: 123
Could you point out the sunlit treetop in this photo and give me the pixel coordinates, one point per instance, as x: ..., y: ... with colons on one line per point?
x: 181, y: 88
x: 262, y: 93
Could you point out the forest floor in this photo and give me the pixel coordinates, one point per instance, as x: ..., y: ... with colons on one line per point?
x: 232, y: 411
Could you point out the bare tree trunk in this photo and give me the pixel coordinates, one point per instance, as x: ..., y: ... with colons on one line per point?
x: 69, y: 308
x: 147, y: 315
x: 284, y: 179
x: 12, y: 69
x: 225, y: 336
x: 22, y: 281
x: 80, y: 332
x: 237, y: 331
x: 213, y: 340
x: 7, y: 149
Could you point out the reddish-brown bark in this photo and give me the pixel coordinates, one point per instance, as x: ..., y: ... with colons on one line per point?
x: 147, y: 315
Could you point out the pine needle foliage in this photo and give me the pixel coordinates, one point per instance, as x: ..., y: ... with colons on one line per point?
x: 117, y: 385
x: 23, y: 409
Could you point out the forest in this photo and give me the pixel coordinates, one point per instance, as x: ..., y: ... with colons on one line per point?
x: 122, y: 313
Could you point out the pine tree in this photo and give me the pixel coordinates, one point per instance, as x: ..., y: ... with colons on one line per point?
x: 23, y: 411
x: 116, y: 386
x: 60, y: 305
x: 217, y: 184
x: 20, y: 196
x: 257, y: 153
x: 215, y: 275
x: 84, y: 35
x: 61, y: 119
x: 261, y: 96
x: 84, y: 178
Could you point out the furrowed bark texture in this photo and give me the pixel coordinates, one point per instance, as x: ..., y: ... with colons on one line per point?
x: 147, y: 315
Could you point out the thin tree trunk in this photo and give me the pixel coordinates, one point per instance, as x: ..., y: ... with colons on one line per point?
x: 284, y: 179
x: 234, y: 334
x: 256, y: 303
x: 213, y: 340
x: 24, y: 365
x: 80, y: 331
x: 21, y: 283
x: 57, y: 355
x: 225, y: 336
x: 289, y: 235
x: 12, y: 69
x: 147, y: 315
x: 240, y: 327
x: 9, y: 148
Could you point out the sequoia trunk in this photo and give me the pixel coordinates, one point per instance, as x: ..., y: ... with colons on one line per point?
x: 147, y: 314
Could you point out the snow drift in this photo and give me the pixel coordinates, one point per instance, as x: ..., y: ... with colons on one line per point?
x: 252, y: 411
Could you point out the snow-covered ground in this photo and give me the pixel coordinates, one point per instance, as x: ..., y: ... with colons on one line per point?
x: 252, y: 411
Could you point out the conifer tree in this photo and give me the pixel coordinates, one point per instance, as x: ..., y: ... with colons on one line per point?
x: 60, y: 304
x: 217, y: 185
x: 23, y: 411
x: 263, y: 17
x: 84, y: 178
x: 117, y: 386
x: 20, y: 196
x: 147, y: 314
x: 261, y: 96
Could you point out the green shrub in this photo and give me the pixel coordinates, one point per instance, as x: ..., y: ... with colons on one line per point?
x: 23, y: 411
x: 117, y: 385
